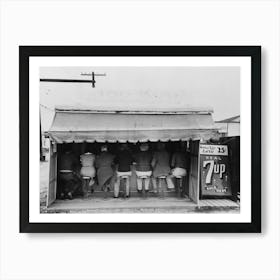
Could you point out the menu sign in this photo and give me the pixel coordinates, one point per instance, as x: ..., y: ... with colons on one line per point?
x: 214, y: 170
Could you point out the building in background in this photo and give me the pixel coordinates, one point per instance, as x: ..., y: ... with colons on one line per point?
x: 229, y: 127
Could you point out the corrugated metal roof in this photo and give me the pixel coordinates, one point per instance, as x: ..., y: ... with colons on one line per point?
x: 235, y: 119
x: 131, y: 136
x: 79, y: 126
x: 138, y: 110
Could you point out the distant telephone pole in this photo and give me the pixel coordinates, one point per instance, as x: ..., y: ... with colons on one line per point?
x: 93, y: 75
x: 42, y: 157
x: 92, y: 81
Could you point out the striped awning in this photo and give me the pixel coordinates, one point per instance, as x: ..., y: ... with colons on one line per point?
x: 92, y: 126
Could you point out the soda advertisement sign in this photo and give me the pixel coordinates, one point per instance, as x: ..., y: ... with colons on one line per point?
x: 214, y: 170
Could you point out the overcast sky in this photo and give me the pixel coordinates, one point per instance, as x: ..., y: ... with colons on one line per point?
x: 143, y: 87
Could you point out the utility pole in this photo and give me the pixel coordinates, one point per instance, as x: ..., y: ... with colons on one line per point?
x: 92, y: 81
x: 93, y: 75
x: 42, y: 157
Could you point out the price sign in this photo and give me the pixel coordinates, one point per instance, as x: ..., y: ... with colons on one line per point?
x: 214, y: 170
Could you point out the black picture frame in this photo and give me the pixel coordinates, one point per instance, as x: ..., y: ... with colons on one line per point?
x: 25, y: 52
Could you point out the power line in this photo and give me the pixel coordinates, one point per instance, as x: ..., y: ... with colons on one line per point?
x: 92, y: 81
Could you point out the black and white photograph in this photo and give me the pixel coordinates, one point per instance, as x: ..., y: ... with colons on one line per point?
x: 139, y: 140
x: 142, y: 137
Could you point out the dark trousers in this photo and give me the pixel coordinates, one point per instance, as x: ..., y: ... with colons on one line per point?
x: 70, y: 183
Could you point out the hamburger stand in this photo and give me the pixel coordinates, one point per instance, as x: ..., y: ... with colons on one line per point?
x: 211, y: 164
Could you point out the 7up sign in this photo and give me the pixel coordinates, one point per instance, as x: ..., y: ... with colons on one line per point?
x: 214, y: 169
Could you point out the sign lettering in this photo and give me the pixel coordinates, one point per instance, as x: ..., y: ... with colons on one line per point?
x: 214, y: 168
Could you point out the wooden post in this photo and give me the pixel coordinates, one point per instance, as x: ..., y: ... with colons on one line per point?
x: 42, y: 157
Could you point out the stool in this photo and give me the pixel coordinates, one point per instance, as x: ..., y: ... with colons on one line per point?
x: 86, y: 185
x: 161, y: 178
x: 143, y: 187
x: 144, y: 177
x: 179, y: 188
x: 125, y: 178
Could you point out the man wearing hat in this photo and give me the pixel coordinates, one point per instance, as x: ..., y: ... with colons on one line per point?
x: 123, y: 162
x: 105, y: 173
x: 69, y: 180
x: 87, y: 171
x: 161, y: 166
x: 143, y: 167
x: 179, y: 164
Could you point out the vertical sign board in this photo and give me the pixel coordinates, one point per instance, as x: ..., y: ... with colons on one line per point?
x: 215, y: 170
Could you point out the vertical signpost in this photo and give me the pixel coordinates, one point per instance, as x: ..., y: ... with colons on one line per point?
x: 215, y: 170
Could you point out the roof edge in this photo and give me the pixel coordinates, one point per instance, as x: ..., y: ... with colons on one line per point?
x: 143, y: 111
x: 229, y: 120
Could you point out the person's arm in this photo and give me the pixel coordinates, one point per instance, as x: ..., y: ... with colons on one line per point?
x: 75, y: 161
x: 76, y: 165
x: 131, y: 160
x: 94, y: 159
x: 116, y: 159
x: 173, y: 161
x: 113, y: 164
x: 134, y: 159
x: 97, y: 162
x: 154, y: 160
